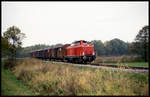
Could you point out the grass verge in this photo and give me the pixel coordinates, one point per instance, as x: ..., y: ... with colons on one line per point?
x: 11, y: 86
x: 133, y: 64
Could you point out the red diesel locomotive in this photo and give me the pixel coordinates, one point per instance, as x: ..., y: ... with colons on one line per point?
x: 78, y: 51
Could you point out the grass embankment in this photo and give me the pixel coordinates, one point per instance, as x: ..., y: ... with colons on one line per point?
x: 47, y: 78
x: 11, y: 86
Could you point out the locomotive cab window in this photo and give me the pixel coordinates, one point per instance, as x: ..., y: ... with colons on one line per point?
x: 84, y: 42
x: 78, y: 43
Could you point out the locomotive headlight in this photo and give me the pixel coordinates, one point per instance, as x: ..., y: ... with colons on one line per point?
x: 82, y: 53
x: 93, y: 53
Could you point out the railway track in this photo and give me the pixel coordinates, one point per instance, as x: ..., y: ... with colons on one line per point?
x: 111, y: 67
x: 119, y: 66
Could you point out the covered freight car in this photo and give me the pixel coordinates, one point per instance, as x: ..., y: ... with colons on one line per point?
x: 61, y: 52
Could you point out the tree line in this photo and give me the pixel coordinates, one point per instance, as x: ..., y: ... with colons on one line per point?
x: 117, y: 47
x: 11, y: 45
x: 114, y: 47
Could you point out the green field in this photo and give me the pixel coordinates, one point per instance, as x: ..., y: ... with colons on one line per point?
x: 133, y: 64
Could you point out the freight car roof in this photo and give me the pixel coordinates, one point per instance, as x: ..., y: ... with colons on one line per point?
x: 58, y: 46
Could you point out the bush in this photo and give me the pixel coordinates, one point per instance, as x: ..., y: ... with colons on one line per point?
x: 9, y: 63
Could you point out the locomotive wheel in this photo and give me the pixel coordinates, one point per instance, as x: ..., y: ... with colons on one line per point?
x: 85, y: 62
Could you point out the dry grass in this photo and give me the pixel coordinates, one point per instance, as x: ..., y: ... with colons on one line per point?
x: 53, y: 79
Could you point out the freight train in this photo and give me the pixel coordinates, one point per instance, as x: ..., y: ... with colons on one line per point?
x: 79, y: 52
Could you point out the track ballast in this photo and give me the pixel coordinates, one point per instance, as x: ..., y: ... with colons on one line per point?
x: 111, y: 67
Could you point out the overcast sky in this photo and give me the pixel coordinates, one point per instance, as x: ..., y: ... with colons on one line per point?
x: 64, y: 22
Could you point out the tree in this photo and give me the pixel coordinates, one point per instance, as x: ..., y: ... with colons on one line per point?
x: 116, y: 47
x: 14, y: 37
x: 99, y: 47
x: 6, y: 46
x: 141, y: 43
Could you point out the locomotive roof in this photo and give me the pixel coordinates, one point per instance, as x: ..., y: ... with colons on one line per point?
x: 79, y: 41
